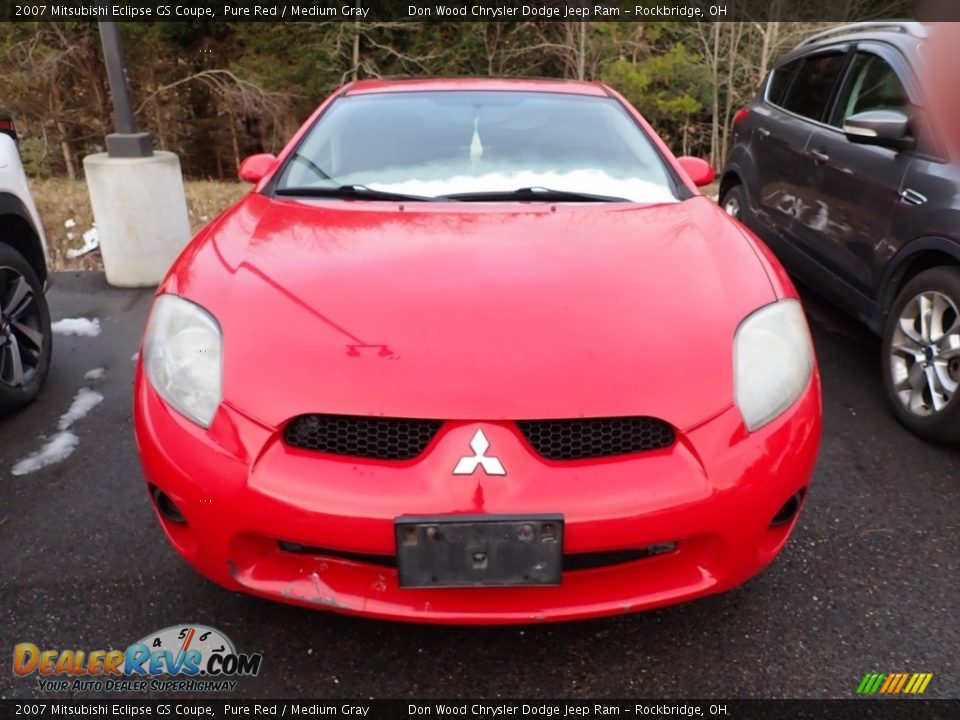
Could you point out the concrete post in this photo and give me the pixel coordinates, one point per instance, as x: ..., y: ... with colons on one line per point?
x: 141, y: 215
x: 137, y: 194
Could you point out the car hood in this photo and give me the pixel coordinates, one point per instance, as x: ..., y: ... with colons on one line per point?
x: 481, y: 311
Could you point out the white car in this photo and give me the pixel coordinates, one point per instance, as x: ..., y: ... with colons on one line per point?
x: 25, y: 338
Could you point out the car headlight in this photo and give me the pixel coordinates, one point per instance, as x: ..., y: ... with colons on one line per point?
x: 772, y: 362
x: 181, y: 355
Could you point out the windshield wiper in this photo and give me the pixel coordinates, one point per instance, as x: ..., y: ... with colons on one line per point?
x: 533, y: 193
x: 351, y: 192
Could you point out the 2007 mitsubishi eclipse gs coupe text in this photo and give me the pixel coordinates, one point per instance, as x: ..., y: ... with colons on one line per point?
x: 477, y: 351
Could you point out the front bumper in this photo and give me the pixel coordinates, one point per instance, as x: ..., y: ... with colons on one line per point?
x: 247, y: 498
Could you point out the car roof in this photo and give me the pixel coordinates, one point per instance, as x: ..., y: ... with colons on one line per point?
x: 904, y: 35
x: 570, y: 87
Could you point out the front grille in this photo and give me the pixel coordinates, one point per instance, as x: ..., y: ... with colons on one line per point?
x: 595, y: 437
x: 365, y: 437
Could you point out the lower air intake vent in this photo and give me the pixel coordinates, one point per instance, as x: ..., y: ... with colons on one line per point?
x: 596, y: 437
x: 358, y: 436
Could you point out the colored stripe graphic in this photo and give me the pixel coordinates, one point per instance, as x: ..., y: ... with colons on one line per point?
x: 870, y: 683
x: 897, y: 677
x: 889, y: 683
x: 894, y: 683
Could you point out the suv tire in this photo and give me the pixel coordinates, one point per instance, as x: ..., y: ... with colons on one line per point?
x: 25, y: 338
x: 733, y: 202
x: 921, y: 355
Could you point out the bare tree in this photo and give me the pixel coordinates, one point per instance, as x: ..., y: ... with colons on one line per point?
x: 59, y: 71
x: 236, y: 99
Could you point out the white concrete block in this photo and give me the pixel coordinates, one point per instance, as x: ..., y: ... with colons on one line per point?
x: 141, y: 215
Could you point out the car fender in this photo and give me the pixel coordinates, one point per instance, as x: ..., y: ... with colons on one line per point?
x: 29, y: 242
x: 902, y: 261
x: 740, y: 169
x: 15, y: 197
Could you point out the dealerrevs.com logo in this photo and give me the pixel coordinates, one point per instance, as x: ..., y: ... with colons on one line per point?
x: 180, y: 658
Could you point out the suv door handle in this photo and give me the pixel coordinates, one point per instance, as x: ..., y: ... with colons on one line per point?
x: 818, y: 156
x: 912, y: 197
x: 763, y: 132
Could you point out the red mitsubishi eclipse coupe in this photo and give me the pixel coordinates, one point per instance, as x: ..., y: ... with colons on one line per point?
x: 477, y: 351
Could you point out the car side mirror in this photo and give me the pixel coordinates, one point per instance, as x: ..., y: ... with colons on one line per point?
x: 256, y: 166
x: 699, y: 170
x: 886, y: 128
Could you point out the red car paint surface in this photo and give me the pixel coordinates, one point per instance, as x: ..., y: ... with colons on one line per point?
x: 478, y: 315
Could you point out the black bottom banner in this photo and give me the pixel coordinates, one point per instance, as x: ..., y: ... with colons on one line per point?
x: 868, y: 709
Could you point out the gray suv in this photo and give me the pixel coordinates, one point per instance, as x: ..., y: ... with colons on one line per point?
x: 838, y: 168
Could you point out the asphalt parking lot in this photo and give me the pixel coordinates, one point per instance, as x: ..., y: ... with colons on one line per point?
x: 869, y: 581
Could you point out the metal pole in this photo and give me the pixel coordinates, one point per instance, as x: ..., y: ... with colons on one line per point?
x: 126, y: 142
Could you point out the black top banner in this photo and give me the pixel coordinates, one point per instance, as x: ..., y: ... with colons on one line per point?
x: 370, y: 11
x: 863, y: 709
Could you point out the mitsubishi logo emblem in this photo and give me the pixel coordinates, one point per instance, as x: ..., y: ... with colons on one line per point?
x: 467, y: 465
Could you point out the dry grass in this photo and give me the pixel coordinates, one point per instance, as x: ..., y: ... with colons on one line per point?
x: 59, y: 201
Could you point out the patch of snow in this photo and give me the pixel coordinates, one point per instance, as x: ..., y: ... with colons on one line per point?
x: 63, y: 443
x: 70, y: 236
x: 91, y: 242
x: 83, y: 402
x: 58, y: 449
x: 95, y: 374
x: 83, y: 327
x: 69, y: 223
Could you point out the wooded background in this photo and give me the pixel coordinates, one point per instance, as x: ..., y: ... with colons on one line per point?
x: 216, y: 92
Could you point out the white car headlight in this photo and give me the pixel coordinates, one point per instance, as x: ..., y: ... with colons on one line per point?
x: 181, y: 355
x: 772, y: 362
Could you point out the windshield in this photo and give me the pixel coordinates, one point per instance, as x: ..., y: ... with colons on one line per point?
x: 453, y: 143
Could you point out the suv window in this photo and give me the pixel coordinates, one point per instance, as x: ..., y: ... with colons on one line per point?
x: 810, y: 91
x: 780, y: 81
x: 871, y: 85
